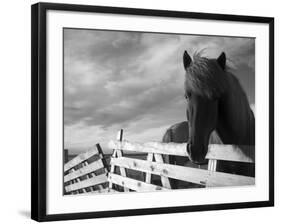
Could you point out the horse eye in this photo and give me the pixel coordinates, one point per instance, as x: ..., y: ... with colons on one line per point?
x: 187, y: 95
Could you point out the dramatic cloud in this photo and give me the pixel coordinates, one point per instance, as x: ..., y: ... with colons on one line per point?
x: 134, y: 81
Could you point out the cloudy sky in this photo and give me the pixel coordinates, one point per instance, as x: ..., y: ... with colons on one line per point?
x: 134, y: 81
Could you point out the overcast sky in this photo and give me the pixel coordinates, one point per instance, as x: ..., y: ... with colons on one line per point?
x: 134, y: 81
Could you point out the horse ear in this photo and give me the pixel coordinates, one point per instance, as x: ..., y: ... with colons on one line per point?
x: 186, y: 60
x: 221, y: 60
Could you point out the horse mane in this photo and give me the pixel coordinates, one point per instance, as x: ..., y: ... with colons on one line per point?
x: 236, y: 98
x: 205, y: 77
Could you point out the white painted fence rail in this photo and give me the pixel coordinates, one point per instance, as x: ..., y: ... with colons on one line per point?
x: 80, y: 174
x: 156, y: 150
x: 220, y: 152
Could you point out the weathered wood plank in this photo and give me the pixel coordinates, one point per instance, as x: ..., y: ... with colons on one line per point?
x: 73, y: 182
x: 89, y: 175
x: 123, y: 171
x: 119, y: 153
x: 135, y: 185
x: 232, y: 153
x: 219, y: 179
x: 80, y: 158
x: 164, y: 180
x: 84, y: 170
x: 148, y: 175
x: 112, y: 168
x: 102, y: 157
x: 212, y: 165
x: 101, y: 191
x: 151, y: 147
x: 83, y: 189
x: 193, y: 175
x: 216, y: 151
x: 87, y: 183
x: 172, y: 171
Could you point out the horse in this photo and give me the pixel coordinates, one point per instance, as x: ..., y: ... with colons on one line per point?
x: 216, y: 102
x: 178, y: 133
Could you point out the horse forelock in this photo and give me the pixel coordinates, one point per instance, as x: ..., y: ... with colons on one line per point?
x: 205, y: 77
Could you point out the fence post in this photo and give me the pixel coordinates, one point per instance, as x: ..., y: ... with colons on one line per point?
x: 148, y: 175
x: 118, y: 153
x: 102, y: 158
x: 164, y: 180
x: 212, y: 165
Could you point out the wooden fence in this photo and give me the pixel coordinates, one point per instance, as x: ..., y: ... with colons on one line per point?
x: 154, y: 165
x: 86, y: 173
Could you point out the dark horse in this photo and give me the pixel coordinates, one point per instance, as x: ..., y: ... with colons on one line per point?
x: 179, y: 133
x: 215, y: 101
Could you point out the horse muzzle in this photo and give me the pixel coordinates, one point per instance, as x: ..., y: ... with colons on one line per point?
x: 196, y: 154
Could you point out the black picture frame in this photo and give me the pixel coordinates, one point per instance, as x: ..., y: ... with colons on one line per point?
x: 39, y: 108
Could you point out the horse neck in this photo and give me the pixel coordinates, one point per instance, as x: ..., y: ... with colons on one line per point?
x: 236, y: 123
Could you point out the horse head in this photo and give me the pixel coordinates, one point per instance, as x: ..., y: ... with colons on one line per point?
x: 204, y: 86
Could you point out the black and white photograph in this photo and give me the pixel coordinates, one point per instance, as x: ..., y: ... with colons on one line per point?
x: 138, y: 111
x: 148, y: 111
